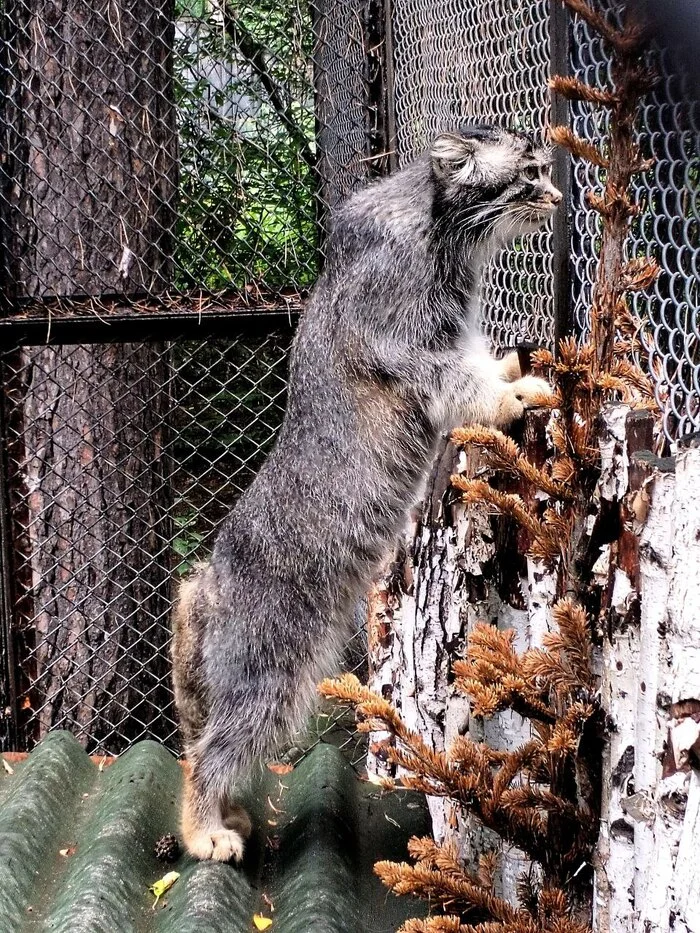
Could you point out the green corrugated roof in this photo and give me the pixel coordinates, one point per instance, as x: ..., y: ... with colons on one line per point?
x: 313, y: 859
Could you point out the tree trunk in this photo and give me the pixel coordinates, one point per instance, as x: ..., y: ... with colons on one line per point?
x: 646, y: 872
x: 460, y: 568
x: 91, y: 175
x: 97, y: 565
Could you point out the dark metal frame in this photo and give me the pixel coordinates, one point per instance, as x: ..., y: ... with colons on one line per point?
x: 382, y: 142
x: 129, y: 326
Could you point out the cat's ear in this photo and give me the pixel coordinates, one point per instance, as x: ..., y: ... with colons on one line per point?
x: 452, y: 153
x: 477, y: 156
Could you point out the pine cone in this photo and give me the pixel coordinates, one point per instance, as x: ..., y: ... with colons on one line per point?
x: 167, y: 848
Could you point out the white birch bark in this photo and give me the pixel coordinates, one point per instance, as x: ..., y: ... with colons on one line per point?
x: 645, y: 874
x: 450, y: 586
x: 423, y: 628
x: 647, y: 879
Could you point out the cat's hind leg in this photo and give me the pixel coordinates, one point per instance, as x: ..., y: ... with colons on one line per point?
x: 212, y: 827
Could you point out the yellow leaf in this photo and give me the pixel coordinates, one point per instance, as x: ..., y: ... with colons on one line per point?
x: 262, y: 923
x: 6, y: 765
x: 163, y: 884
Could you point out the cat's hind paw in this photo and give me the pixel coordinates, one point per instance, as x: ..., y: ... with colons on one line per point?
x: 220, y: 845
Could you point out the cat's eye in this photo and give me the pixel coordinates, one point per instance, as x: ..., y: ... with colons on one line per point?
x: 531, y: 172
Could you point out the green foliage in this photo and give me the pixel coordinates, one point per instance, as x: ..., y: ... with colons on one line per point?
x: 186, y: 541
x: 246, y: 220
x: 244, y: 89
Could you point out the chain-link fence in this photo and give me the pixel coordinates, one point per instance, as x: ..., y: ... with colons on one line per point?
x: 667, y: 228
x: 489, y: 62
x: 161, y: 166
x: 152, y: 151
x: 122, y: 459
x: 164, y: 193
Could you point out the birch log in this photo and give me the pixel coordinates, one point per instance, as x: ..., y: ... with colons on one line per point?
x: 646, y: 872
x: 461, y: 566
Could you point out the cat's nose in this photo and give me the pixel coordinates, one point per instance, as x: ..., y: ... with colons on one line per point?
x: 554, y: 195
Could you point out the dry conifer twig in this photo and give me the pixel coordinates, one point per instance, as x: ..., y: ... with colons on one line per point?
x: 574, y: 89
x: 563, y: 136
x: 504, y: 454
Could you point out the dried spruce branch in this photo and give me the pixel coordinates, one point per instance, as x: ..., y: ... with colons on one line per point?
x: 585, y: 375
x: 504, y: 790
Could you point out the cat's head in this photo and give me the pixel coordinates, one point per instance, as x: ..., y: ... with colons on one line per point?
x: 493, y: 184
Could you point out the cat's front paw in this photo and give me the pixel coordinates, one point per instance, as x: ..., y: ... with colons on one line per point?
x: 526, y: 392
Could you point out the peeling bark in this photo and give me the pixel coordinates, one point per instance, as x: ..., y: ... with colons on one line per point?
x: 460, y: 566
x: 646, y: 879
x: 645, y: 529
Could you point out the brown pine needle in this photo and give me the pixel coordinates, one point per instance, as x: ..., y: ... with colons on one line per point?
x: 598, y: 204
x: 547, y: 541
x: 623, y: 40
x: 640, y: 274
x: 563, y: 136
x: 542, y: 359
x: 444, y: 889
x: 574, y: 89
x: 504, y: 454
x: 528, y: 797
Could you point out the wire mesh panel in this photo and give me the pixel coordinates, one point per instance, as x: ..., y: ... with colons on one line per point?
x: 462, y: 62
x: 227, y: 401
x: 123, y: 458
x: 667, y: 228
x: 172, y: 158
x: 153, y: 150
x: 160, y: 158
x: 88, y: 126
x: 277, y: 117
x: 245, y: 110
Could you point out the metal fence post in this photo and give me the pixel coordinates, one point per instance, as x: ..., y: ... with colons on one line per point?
x: 561, y: 269
x: 9, y: 737
x: 382, y: 131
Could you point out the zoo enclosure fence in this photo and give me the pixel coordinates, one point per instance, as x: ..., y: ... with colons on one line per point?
x: 164, y: 199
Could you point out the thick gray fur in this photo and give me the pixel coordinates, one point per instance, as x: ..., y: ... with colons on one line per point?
x: 386, y: 358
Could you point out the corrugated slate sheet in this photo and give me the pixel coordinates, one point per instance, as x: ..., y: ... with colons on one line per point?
x: 77, y: 848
